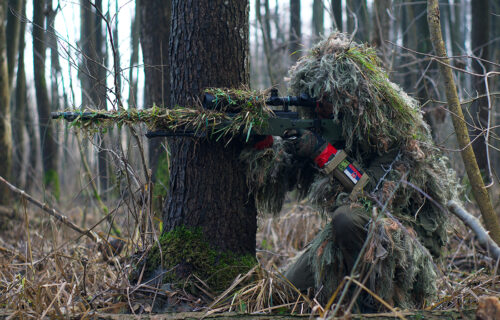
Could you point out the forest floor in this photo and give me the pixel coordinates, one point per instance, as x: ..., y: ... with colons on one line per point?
x: 48, y: 270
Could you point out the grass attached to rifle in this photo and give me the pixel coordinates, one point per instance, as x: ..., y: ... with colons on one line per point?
x: 248, y: 110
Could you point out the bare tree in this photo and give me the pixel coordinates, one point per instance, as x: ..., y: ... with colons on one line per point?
x: 480, y: 37
x: 266, y: 38
x: 337, y: 14
x: 20, y: 109
x: 134, y: 55
x: 5, y: 129
x: 13, y: 27
x: 357, y: 19
x: 47, y: 135
x: 155, y: 35
x: 381, y: 23
x: 295, y: 36
x: 318, y: 18
x: 92, y: 71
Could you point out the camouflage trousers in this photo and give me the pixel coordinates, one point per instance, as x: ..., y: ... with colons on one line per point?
x: 392, y: 264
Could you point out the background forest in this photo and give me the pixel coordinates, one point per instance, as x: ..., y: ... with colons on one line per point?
x: 106, y: 54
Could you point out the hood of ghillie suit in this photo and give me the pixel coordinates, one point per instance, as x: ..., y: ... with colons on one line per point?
x: 384, y: 132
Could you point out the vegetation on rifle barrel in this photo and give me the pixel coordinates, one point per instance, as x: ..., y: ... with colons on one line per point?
x: 252, y: 113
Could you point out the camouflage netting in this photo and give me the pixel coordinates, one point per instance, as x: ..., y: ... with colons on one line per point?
x: 386, y: 135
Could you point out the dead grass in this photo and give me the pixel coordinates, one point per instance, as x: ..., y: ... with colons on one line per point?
x: 47, y: 270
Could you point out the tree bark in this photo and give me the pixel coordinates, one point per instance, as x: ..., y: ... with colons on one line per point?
x: 5, y: 126
x: 47, y: 136
x: 381, y: 24
x: 14, y: 18
x: 54, y: 57
x: 495, y: 56
x: 155, y: 21
x: 208, y: 186
x: 424, y: 44
x: 20, y: 109
x: 357, y: 10
x: 337, y: 14
x: 92, y: 72
x: 318, y: 18
x: 101, y: 87
x: 480, y: 35
x: 266, y: 37
x: 478, y: 189
x: 295, y: 36
x: 134, y: 56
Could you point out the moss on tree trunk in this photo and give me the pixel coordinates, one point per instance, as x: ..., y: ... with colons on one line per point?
x: 185, y: 251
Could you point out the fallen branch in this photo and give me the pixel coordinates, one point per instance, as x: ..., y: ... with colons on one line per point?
x: 472, y: 222
x: 51, y: 211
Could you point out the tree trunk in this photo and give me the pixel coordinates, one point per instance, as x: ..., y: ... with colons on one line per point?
x: 477, y: 184
x: 495, y: 56
x: 295, y: 36
x: 337, y: 14
x: 208, y: 187
x: 381, y: 24
x: 14, y: 18
x: 458, y: 30
x: 92, y: 71
x: 318, y: 18
x: 134, y: 56
x: 101, y: 87
x: 155, y: 34
x: 86, y: 43
x: 47, y: 136
x: 266, y: 37
x: 420, y: 72
x: 357, y: 10
x: 54, y: 57
x: 424, y: 45
x: 5, y: 129
x: 20, y: 109
x: 480, y: 35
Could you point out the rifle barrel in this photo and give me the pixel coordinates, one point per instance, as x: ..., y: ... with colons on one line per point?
x: 71, y: 116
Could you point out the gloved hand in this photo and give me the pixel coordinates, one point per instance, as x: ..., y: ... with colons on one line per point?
x: 308, y: 144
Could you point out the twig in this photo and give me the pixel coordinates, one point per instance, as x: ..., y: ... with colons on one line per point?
x: 472, y: 222
x: 51, y: 211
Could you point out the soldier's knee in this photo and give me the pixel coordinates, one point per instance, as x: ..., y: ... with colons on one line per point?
x: 349, y: 227
x: 346, y: 219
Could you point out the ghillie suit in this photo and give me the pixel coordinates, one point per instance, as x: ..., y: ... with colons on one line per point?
x: 410, y: 180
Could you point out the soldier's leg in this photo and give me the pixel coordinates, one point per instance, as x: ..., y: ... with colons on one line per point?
x: 346, y: 232
x: 300, y: 273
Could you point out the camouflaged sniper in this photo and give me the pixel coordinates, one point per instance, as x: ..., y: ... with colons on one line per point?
x: 410, y: 179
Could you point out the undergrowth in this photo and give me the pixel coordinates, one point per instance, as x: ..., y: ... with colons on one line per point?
x: 60, y: 275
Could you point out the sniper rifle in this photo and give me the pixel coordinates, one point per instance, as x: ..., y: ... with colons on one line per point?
x: 322, y: 130
x: 277, y: 124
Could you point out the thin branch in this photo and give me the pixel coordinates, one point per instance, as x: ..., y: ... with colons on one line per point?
x: 51, y: 211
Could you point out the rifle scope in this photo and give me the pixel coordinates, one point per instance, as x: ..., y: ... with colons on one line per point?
x: 303, y: 100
